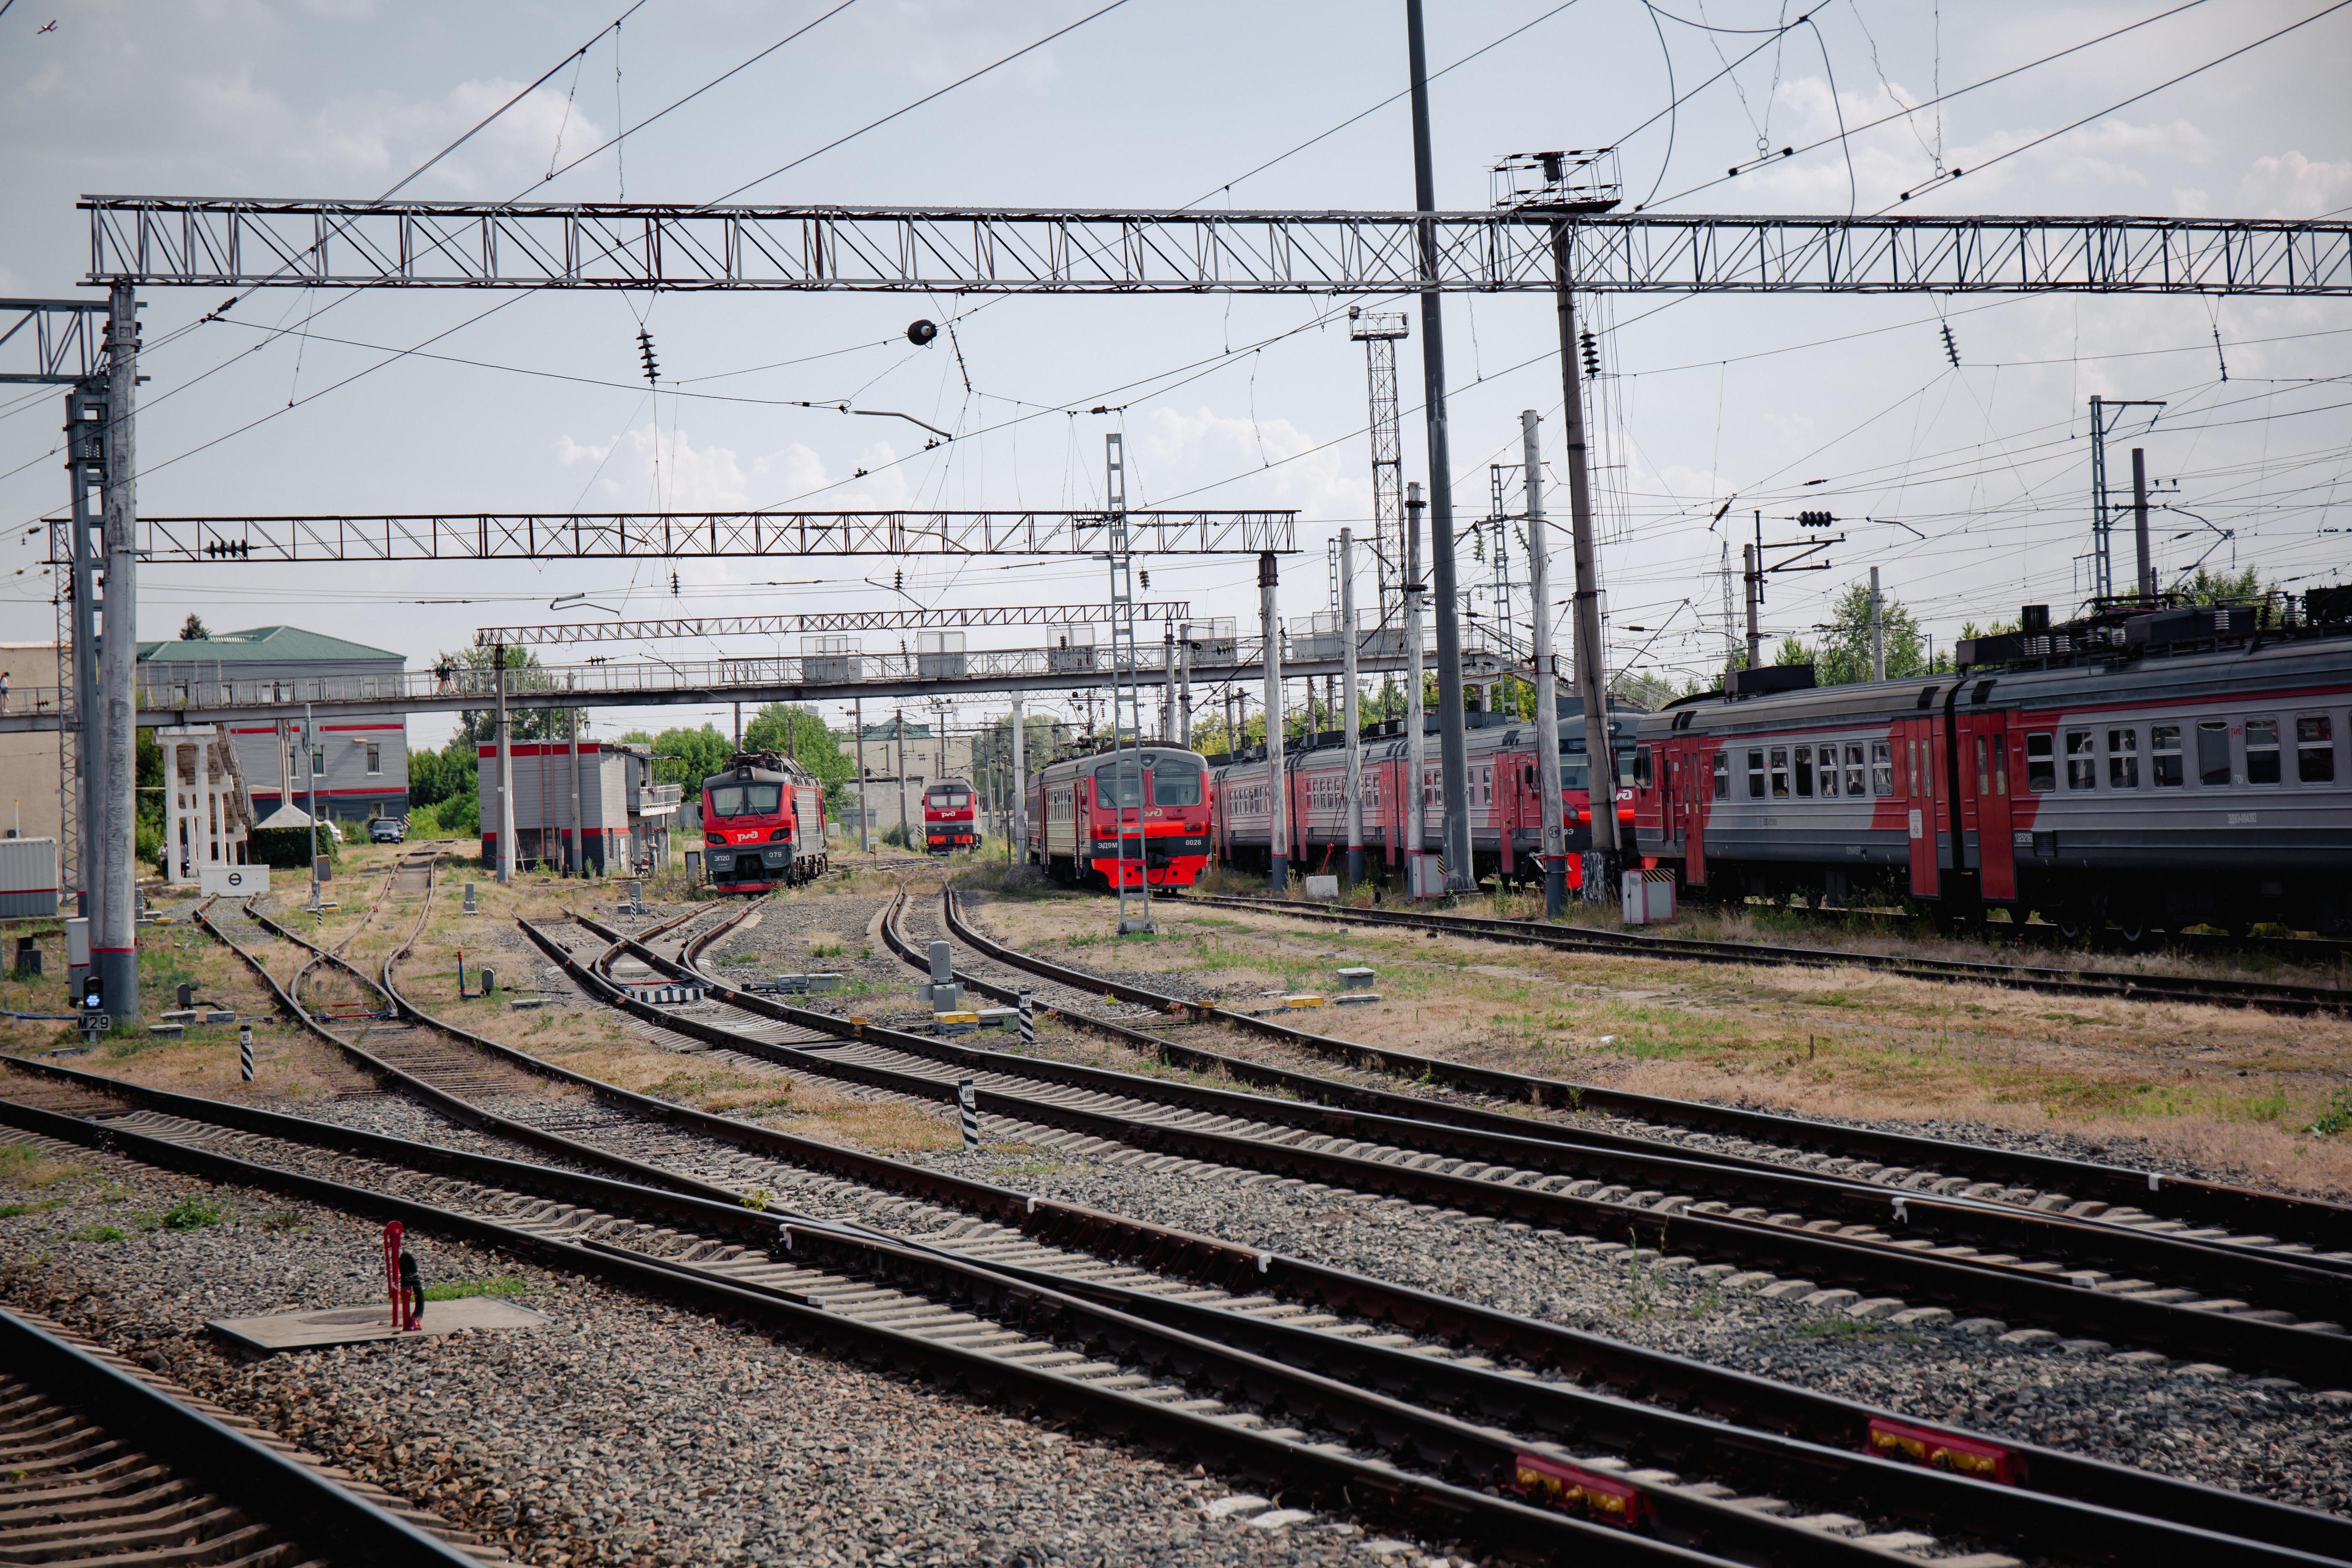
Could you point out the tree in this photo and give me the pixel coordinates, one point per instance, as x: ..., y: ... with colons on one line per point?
x: 2221, y: 587
x: 1843, y: 657
x: 803, y: 736
x: 475, y: 667
x: 453, y: 773
x: 194, y: 629
x: 686, y: 756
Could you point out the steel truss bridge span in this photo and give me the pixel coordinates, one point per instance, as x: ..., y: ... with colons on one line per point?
x: 1174, y: 610
x: 692, y: 536
x: 190, y: 691
x: 238, y: 242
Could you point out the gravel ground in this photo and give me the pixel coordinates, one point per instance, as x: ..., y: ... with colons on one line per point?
x: 624, y: 1432
x: 2258, y: 1435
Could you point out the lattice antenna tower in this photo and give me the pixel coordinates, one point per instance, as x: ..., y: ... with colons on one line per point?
x: 1379, y: 332
x: 1127, y: 697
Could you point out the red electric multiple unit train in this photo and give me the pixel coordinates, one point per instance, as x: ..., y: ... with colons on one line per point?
x: 2180, y: 767
x: 1083, y: 810
x: 950, y: 821
x: 1505, y: 801
x: 762, y: 824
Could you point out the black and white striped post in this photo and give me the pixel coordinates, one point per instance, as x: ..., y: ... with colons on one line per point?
x: 244, y: 1051
x: 967, y: 1106
x: 1028, y: 1019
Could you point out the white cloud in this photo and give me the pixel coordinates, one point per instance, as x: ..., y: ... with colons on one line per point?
x: 2292, y: 185
x: 382, y: 135
x: 1181, y: 451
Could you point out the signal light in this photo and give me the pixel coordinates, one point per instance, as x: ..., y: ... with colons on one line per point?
x: 1814, y: 519
x: 1951, y: 349
x: 646, y: 353
x: 1591, y: 353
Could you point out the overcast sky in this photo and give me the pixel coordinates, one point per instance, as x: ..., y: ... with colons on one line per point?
x: 541, y: 406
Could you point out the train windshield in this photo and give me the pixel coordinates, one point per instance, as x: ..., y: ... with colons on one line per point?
x: 1119, y: 784
x: 950, y: 800
x: 746, y: 799
x: 1176, y: 788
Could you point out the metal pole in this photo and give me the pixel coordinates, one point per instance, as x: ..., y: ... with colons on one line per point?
x: 310, y: 749
x: 1554, y: 849
x: 2139, y: 524
x: 1453, y: 759
x: 857, y: 722
x: 89, y: 720
x: 1184, y: 692
x: 506, y: 771
x: 115, y: 937
x: 1878, y: 631
x: 1168, y: 681
x: 1591, y: 679
x: 899, y: 723
x: 575, y: 857
x: 1020, y: 789
x: 1754, y: 580
x: 1277, y: 786
x: 2103, y: 582
x: 1416, y: 763
x: 1350, y: 722
x: 739, y: 726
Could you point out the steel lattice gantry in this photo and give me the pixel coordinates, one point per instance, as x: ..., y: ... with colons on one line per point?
x: 54, y: 342
x: 706, y: 535
x: 820, y: 621
x: 216, y: 242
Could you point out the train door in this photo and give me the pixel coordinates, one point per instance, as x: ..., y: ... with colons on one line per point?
x: 1984, y: 772
x: 1694, y: 786
x: 1914, y: 739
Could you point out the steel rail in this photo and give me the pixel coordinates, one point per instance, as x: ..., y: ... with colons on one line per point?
x: 1918, y: 1278
x: 2310, y: 1286
x: 1361, y: 1388
x: 1431, y: 1506
x: 2264, y: 993
x: 2311, y: 1221
x: 269, y: 1488
x: 1637, y: 1374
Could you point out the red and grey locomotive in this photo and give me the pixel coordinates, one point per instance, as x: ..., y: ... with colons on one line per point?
x: 762, y: 824
x: 2174, y: 768
x: 950, y: 821
x: 1505, y: 801
x: 1138, y: 817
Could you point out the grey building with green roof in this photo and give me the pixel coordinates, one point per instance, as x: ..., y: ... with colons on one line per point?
x: 359, y: 761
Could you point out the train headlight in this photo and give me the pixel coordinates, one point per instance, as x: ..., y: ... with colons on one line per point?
x: 781, y: 834
x: 714, y: 838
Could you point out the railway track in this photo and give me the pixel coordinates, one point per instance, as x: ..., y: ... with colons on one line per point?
x: 1237, y: 1379
x: 1276, y: 1322
x: 102, y: 1467
x: 2309, y: 952
x: 2213, y: 1212
x: 2269, y: 996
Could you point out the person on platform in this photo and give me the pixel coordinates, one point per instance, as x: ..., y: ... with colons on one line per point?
x: 411, y: 1286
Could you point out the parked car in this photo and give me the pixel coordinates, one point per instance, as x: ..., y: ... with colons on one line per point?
x: 387, y: 830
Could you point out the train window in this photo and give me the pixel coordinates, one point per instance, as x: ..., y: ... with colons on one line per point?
x: 1722, y: 775
x: 1779, y: 773
x: 2040, y: 762
x: 1911, y: 749
x: 2082, y: 767
x: 2262, y: 751
x: 1756, y: 775
x: 2214, y: 752
x: 2315, y: 749
x: 1119, y: 786
x: 1830, y: 771
x: 1180, y: 786
x: 746, y: 799
x: 1984, y: 780
x: 1882, y: 766
x: 1805, y: 771
x: 2000, y: 768
x: 1853, y: 769
x: 2123, y: 759
x: 2164, y: 756
x: 1624, y: 755
x: 1642, y: 767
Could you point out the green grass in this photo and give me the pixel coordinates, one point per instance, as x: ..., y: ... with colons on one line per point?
x: 2335, y: 1115
x: 10, y: 1211
x: 826, y: 950
x: 193, y: 1212
x: 505, y: 1287
x: 99, y: 1232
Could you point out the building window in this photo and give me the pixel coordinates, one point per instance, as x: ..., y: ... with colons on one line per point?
x: 374, y: 757
x: 2040, y: 762
x: 2315, y: 749
x: 2123, y: 759
x: 318, y: 761
x: 1805, y: 771
x: 1722, y: 775
x: 2262, y: 751
x: 2214, y: 752
x: 1779, y: 773
x: 2164, y: 756
x: 2082, y: 767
